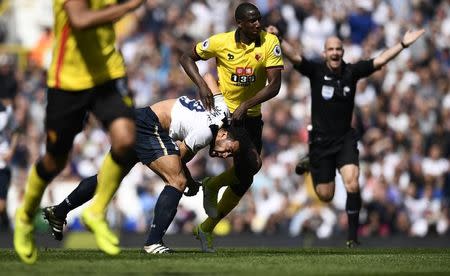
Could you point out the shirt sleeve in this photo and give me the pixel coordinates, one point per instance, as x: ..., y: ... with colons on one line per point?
x: 274, y: 55
x: 207, y: 48
x: 306, y: 67
x: 363, y: 69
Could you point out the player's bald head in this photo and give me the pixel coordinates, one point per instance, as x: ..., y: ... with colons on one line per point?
x: 245, y: 11
x: 333, y: 41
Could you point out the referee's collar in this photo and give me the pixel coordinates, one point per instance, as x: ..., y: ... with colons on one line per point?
x: 237, y: 38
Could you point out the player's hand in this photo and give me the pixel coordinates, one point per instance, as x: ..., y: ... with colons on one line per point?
x: 239, y: 114
x: 193, y: 187
x: 207, y: 98
x: 272, y: 29
x: 411, y: 36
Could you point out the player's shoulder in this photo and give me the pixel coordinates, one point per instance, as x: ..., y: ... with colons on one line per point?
x: 269, y: 38
x: 222, y: 36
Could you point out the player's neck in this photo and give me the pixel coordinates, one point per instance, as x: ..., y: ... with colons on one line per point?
x: 245, y: 39
x: 336, y: 71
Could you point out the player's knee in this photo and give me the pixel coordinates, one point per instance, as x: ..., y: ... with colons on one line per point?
x: 178, y: 181
x: 324, y: 193
x: 251, y: 167
x: 351, y: 184
x: 51, y: 165
x: 240, y: 188
x: 123, y: 135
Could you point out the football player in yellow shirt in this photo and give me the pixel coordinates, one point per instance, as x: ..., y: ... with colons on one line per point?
x: 87, y: 74
x: 247, y: 59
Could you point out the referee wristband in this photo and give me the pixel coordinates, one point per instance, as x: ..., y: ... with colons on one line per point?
x: 403, y: 44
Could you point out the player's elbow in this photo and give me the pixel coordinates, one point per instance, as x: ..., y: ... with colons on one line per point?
x: 379, y: 62
x: 274, y: 88
x: 185, y: 59
x: 79, y: 23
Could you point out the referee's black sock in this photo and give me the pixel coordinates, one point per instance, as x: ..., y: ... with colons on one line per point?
x: 352, y: 207
x: 165, y: 210
x: 82, y: 193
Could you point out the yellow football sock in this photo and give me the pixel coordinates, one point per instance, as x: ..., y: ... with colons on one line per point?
x: 226, y: 178
x: 227, y: 203
x: 34, y: 189
x: 109, y: 177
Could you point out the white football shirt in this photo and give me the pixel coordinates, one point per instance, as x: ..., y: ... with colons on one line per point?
x: 191, y: 121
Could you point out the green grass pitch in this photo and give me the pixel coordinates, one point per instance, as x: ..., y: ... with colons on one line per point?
x: 242, y: 261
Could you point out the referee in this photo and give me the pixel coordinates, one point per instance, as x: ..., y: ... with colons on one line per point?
x: 333, y: 142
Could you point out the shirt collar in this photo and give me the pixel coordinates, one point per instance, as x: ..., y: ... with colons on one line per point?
x: 237, y: 38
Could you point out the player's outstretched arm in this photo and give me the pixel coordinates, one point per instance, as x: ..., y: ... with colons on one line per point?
x: 81, y: 16
x: 288, y: 50
x: 409, y: 38
x: 187, y: 61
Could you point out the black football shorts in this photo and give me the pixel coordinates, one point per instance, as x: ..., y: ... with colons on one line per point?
x: 326, y: 154
x: 67, y: 111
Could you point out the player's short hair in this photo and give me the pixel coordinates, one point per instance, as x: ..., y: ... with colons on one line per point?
x: 235, y: 134
x: 241, y: 135
x: 243, y: 9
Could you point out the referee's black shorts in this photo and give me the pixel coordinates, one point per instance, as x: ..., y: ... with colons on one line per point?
x: 326, y: 154
x: 67, y: 111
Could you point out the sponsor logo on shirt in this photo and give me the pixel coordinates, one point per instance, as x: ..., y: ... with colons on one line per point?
x: 243, y: 76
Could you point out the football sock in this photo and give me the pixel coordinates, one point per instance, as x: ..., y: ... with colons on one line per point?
x: 224, y: 179
x: 165, y: 210
x: 82, y: 193
x: 227, y: 203
x: 34, y: 189
x: 352, y: 207
x: 109, y: 177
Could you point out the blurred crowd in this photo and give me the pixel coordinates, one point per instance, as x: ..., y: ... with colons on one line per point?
x: 402, y: 115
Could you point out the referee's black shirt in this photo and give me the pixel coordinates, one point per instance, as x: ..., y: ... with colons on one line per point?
x: 333, y: 94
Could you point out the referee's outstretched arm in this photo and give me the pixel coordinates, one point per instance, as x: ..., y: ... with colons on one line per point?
x: 409, y: 38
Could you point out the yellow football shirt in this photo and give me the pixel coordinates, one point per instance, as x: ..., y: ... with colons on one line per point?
x: 82, y: 59
x: 241, y: 68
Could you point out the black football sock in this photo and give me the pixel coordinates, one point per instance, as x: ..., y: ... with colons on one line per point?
x: 352, y: 207
x: 165, y: 210
x: 82, y: 193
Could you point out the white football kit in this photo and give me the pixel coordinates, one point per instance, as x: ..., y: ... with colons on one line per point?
x: 191, y: 122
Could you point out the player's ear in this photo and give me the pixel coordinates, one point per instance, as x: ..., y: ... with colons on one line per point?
x: 223, y: 133
x: 239, y: 23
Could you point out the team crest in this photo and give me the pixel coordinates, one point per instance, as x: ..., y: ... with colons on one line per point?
x: 327, y: 92
x: 277, y: 50
x: 205, y: 44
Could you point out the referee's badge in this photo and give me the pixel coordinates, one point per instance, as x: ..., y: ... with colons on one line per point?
x: 327, y: 92
x: 205, y: 44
